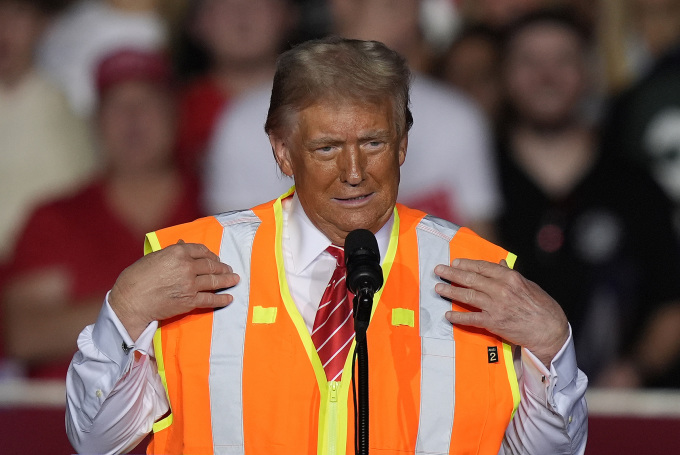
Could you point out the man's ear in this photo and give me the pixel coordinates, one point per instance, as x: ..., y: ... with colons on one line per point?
x: 282, y: 154
x: 403, y: 145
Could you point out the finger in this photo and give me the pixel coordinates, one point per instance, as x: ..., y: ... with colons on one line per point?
x: 473, y: 318
x: 207, y: 266
x: 465, y: 295
x: 484, y: 268
x: 212, y: 300
x: 215, y: 282
x: 180, y: 242
x: 200, y: 251
x: 463, y: 277
x: 504, y: 263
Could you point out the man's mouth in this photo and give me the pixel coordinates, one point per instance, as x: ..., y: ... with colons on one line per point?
x: 355, y: 199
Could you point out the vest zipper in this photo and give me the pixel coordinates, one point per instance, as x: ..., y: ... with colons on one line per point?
x: 333, y: 417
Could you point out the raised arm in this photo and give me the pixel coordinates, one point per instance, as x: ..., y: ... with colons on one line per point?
x: 114, y: 393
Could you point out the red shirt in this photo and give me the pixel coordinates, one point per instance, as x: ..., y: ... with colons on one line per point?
x: 199, y: 108
x: 83, y: 236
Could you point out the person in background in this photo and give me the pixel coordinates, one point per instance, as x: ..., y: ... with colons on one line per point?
x: 642, y: 123
x: 472, y: 64
x: 451, y: 129
x: 45, y: 148
x: 71, y: 249
x: 240, y: 40
x: 497, y: 14
x: 86, y: 31
x: 595, y: 231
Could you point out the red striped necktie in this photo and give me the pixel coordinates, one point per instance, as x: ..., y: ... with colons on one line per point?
x: 333, y: 329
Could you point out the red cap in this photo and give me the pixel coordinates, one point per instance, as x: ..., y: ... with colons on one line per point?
x: 132, y: 64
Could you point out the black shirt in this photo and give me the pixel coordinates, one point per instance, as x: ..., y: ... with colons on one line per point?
x: 607, y: 252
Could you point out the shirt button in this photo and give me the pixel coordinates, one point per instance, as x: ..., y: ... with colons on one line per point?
x: 99, y: 393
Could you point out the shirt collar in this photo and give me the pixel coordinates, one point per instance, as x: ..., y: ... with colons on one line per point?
x: 307, y: 242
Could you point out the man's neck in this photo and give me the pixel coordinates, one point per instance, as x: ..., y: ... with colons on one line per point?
x: 555, y: 158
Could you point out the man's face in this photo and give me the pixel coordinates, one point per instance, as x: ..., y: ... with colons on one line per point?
x: 345, y: 158
x: 545, y: 74
x: 244, y: 32
x: 136, y: 126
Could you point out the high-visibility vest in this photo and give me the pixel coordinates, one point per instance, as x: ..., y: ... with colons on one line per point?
x: 246, y: 379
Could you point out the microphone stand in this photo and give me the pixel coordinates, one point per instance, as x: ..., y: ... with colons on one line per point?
x: 363, y: 304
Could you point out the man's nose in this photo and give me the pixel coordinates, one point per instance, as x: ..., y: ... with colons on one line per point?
x: 352, y: 165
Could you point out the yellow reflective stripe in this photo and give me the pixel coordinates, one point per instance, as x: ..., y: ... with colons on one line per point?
x: 299, y: 323
x: 512, y: 377
x: 162, y: 424
x: 262, y: 315
x: 389, y: 258
x: 289, y: 304
x: 151, y: 243
x: 158, y: 351
x: 507, y: 354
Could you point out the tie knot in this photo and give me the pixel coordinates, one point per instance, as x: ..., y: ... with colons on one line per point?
x: 338, y: 253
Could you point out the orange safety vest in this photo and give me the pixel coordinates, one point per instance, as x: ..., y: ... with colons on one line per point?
x: 246, y: 379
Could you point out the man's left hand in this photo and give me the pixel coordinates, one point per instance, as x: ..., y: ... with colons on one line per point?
x: 512, y: 307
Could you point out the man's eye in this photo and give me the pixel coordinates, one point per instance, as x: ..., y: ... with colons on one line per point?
x: 327, y: 148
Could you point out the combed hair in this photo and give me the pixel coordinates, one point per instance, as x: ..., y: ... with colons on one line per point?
x: 335, y: 68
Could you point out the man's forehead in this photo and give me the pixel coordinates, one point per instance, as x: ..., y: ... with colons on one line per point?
x: 356, y: 117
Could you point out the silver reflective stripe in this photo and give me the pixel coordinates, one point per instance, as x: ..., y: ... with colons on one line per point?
x: 228, y: 336
x: 437, y: 381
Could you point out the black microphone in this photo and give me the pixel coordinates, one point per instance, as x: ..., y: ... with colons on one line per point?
x: 364, y: 275
x: 364, y: 278
x: 362, y: 258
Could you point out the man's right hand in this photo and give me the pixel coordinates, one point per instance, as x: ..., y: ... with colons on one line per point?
x: 170, y: 282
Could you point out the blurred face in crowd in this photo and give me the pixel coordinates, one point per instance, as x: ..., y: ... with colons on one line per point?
x: 345, y: 158
x: 243, y: 31
x: 20, y: 27
x: 472, y: 65
x: 136, y: 126
x: 545, y: 73
x: 392, y: 22
x: 658, y: 21
x: 498, y: 13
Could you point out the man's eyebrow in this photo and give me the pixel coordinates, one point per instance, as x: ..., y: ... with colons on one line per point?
x: 375, y: 134
x: 322, y: 141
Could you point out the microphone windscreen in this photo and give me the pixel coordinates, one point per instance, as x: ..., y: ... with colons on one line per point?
x: 362, y: 258
x: 360, y: 239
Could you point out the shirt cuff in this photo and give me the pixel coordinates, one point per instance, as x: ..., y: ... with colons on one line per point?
x: 112, y: 339
x: 544, y: 383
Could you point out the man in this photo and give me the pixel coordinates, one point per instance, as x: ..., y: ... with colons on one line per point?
x: 596, y: 232
x: 243, y: 372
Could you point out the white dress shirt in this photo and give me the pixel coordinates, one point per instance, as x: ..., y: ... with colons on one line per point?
x: 114, y: 397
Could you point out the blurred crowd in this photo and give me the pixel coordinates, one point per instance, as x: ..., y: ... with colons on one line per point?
x: 551, y: 127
